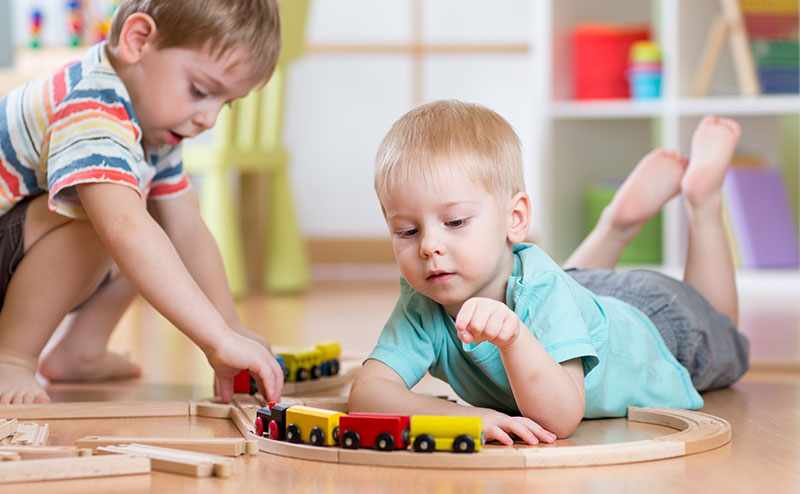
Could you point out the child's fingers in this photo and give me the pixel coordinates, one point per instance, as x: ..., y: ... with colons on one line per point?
x: 498, y: 434
x: 464, y: 315
x: 225, y: 389
x: 522, y: 431
x: 540, y: 432
x: 277, y: 380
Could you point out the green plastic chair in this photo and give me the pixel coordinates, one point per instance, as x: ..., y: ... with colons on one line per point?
x: 248, y: 139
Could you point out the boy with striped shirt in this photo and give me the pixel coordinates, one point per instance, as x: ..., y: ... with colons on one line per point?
x: 95, y: 205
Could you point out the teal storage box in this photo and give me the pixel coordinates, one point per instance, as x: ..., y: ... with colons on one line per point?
x: 646, y: 248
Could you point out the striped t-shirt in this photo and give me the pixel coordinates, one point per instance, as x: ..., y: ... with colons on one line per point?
x: 76, y: 125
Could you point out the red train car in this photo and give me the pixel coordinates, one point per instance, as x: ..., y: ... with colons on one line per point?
x: 383, y: 432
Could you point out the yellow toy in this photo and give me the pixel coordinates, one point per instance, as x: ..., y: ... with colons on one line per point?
x: 444, y: 433
x: 302, y: 364
x: 312, y: 425
x: 312, y: 362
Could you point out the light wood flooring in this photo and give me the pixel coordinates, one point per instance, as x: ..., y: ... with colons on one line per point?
x: 763, y: 409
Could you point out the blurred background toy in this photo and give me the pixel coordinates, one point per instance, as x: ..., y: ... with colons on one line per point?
x: 644, y: 70
x: 74, y: 22
x: 35, y: 29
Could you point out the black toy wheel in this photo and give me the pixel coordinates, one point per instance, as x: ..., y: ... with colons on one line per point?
x: 464, y: 444
x: 335, y: 367
x: 316, y: 372
x: 424, y: 443
x: 316, y: 436
x: 301, y: 374
x: 384, y: 442
x: 293, y: 433
x: 351, y: 440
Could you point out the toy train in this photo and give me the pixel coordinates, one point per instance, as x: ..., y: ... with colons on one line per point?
x: 383, y: 432
x: 298, y: 365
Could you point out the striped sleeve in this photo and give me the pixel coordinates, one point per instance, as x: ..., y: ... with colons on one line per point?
x: 92, y: 139
x: 170, y: 179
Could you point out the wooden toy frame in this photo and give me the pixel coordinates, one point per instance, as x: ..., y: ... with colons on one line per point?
x: 696, y: 432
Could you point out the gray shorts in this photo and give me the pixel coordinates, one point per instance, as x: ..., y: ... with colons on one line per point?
x: 703, y: 340
x: 12, y: 243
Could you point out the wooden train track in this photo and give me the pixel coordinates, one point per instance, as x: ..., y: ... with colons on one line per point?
x: 694, y: 432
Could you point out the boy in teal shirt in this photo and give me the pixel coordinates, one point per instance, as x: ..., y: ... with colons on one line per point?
x: 533, y: 347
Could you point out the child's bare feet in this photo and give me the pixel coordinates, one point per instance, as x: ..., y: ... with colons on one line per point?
x: 60, y: 365
x: 713, y: 144
x: 18, y: 383
x: 655, y: 180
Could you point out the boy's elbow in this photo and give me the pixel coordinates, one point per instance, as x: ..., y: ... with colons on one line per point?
x: 569, y: 421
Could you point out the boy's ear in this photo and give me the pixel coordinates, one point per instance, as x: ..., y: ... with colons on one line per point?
x: 137, y: 31
x: 520, y: 217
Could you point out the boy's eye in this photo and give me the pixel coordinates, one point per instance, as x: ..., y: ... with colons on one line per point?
x: 407, y: 233
x: 456, y: 223
x: 196, y: 92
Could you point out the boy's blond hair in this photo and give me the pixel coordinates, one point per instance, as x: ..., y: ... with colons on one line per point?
x: 471, y: 138
x: 253, y: 24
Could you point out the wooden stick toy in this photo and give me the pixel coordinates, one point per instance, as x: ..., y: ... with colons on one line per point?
x: 7, y: 428
x: 72, y: 468
x: 41, y: 452
x: 176, y: 460
x: 224, y: 446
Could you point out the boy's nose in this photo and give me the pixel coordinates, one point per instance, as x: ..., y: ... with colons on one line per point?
x: 205, y: 119
x: 430, y: 245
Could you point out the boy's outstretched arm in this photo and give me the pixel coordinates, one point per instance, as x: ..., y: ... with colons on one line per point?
x: 148, y: 259
x: 180, y: 218
x: 550, y: 393
x: 379, y: 389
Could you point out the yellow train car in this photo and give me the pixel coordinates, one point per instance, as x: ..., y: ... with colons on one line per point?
x: 312, y: 425
x: 444, y: 433
x: 302, y: 364
x: 330, y: 357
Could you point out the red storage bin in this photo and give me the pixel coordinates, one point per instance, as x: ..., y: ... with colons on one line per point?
x: 600, y: 59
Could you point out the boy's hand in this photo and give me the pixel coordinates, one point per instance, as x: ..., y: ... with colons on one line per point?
x: 238, y: 352
x: 484, y: 319
x: 499, y: 426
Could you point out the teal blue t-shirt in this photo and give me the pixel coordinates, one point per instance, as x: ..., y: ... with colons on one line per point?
x: 625, y: 360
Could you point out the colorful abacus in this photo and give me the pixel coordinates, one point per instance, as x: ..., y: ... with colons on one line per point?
x: 74, y: 22
x: 36, y: 29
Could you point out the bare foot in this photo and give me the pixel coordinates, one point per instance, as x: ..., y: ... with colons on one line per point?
x: 713, y: 144
x: 57, y: 365
x: 655, y: 180
x: 18, y: 383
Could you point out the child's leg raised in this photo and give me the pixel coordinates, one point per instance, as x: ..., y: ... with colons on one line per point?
x: 709, y: 266
x: 78, y: 351
x: 655, y: 180
x: 64, y: 262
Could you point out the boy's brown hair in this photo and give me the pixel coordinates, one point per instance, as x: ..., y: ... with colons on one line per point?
x: 253, y: 24
x: 468, y: 137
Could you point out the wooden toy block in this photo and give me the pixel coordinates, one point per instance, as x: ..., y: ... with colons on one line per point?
x: 31, y: 434
x: 223, y: 446
x: 92, y: 410
x: 72, y: 468
x: 7, y: 428
x: 41, y: 452
x: 176, y: 460
x: 9, y: 456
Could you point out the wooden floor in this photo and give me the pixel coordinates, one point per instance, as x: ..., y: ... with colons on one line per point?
x: 763, y: 409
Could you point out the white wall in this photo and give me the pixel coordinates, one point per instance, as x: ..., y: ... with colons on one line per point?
x: 339, y: 106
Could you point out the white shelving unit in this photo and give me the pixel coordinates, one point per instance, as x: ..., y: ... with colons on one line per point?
x: 582, y: 141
